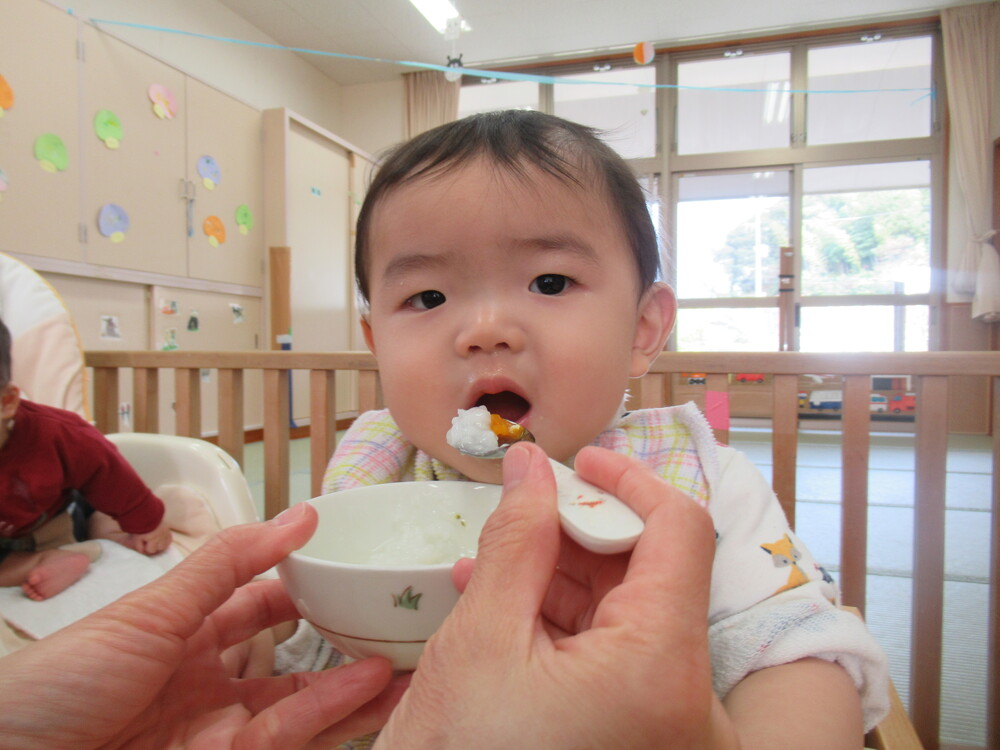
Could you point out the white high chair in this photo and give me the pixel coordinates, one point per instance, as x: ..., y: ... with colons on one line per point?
x: 201, y: 485
x: 173, y: 467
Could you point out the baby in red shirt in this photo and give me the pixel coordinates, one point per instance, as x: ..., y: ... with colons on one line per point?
x: 47, y: 456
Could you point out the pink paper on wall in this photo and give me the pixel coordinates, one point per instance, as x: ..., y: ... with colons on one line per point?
x: 717, y: 409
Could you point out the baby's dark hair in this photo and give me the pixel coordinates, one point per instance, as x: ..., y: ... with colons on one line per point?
x: 4, y: 355
x: 516, y: 140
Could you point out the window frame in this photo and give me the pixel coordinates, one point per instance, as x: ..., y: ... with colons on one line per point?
x: 667, y: 165
x: 799, y: 156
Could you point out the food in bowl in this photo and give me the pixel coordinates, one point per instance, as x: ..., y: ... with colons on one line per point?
x: 375, y: 578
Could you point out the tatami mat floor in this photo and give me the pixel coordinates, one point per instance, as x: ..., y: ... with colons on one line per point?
x: 890, y: 550
x: 890, y: 546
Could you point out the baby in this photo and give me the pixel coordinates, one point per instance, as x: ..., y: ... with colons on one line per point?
x: 47, y: 456
x: 508, y: 260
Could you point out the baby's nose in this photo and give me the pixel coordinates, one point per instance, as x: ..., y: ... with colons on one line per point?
x: 490, y: 328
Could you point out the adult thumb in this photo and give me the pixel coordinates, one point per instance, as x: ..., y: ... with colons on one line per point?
x: 519, y: 545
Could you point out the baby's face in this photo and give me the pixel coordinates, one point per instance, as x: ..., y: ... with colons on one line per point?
x: 10, y: 398
x: 519, y: 294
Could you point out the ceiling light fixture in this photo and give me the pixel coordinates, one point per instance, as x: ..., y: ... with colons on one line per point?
x: 438, y: 12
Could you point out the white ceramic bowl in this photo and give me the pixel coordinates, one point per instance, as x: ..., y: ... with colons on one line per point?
x: 375, y: 578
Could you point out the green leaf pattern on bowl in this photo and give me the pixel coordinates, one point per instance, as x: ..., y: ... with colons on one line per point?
x: 407, y: 600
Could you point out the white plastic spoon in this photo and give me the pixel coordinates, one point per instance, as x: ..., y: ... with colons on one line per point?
x: 595, y: 519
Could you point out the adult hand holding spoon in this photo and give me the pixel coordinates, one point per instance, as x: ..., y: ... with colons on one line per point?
x: 595, y: 519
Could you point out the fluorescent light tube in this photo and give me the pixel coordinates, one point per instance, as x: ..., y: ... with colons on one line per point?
x: 437, y: 12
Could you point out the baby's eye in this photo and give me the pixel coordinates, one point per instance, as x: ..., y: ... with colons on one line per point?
x: 426, y: 300
x: 550, y: 283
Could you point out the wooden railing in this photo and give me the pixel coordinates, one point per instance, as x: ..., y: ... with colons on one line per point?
x: 929, y: 374
x: 231, y: 366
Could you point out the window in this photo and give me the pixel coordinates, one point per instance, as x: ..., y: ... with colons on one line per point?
x: 827, y: 145
x: 729, y: 230
x: 486, y: 95
x: 851, y: 194
x: 734, y: 102
x: 892, y: 81
x: 727, y: 330
x: 866, y: 229
x: 606, y: 101
x: 865, y: 328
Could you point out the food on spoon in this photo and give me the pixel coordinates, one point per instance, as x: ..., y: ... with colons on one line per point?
x: 505, y: 430
x: 478, y: 432
x: 471, y: 431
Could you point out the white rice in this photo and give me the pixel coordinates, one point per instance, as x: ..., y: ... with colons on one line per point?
x: 470, y: 431
x: 425, y: 532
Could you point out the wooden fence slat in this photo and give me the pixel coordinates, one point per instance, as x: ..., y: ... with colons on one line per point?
x: 146, y: 399
x: 785, y: 442
x: 106, y: 399
x: 928, y: 558
x: 855, y: 443
x: 187, y: 401
x: 231, y: 423
x: 276, y: 434
x: 322, y: 424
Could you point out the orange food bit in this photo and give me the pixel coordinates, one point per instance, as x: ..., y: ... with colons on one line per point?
x: 504, y: 430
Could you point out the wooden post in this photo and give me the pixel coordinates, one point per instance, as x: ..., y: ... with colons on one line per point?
x: 854, y: 489
x: 276, y: 435
x: 280, y: 281
x: 187, y: 401
x: 785, y: 441
x: 787, y: 313
x: 146, y: 394
x: 231, y: 437
x: 928, y: 558
x: 106, y: 399
x: 322, y: 424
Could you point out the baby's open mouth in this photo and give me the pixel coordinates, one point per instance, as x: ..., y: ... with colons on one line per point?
x: 507, y: 404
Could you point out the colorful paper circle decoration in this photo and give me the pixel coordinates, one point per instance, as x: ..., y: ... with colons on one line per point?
x: 3, y: 184
x: 112, y: 221
x: 164, y: 102
x: 216, y: 231
x: 108, y: 128
x: 643, y: 53
x: 208, y: 170
x: 244, y: 218
x: 6, y: 96
x: 51, y: 153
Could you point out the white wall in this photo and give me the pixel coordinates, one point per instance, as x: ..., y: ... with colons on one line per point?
x: 263, y: 78
x: 373, y: 115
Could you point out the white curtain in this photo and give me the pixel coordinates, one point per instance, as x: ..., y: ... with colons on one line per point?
x: 971, y: 60
x: 430, y: 101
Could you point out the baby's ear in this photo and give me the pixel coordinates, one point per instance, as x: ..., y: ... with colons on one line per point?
x: 366, y: 329
x: 657, y: 310
x: 10, y: 399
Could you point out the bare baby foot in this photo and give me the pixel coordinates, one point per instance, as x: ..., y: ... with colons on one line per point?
x: 55, y: 572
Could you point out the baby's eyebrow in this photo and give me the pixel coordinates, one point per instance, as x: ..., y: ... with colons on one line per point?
x: 570, y: 243
x: 408, y: 263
